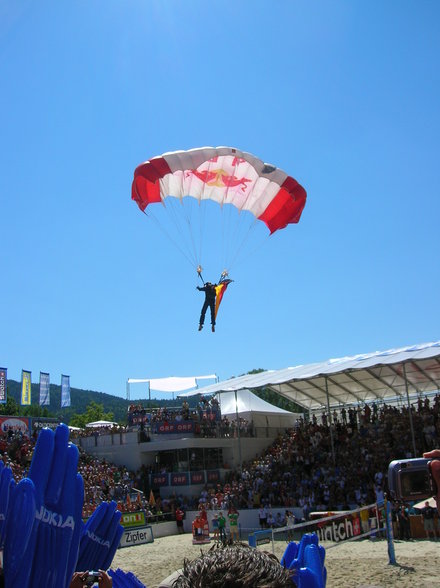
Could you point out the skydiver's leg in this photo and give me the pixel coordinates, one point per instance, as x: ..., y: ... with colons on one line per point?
x: 212, y: 307
x: 202, y: 314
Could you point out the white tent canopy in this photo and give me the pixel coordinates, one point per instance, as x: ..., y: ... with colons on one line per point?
x: 254, y: 409
x: 377, y: 376
x: 97, y: 424
x: 170, y: 384
x: 247, y: 402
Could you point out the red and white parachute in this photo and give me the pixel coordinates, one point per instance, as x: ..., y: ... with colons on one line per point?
x: 235, y: 184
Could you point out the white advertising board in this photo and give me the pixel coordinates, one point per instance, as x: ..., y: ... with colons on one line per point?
x: 137, y: 536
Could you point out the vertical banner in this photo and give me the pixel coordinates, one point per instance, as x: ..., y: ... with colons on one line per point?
x: 65, y: 391
x: 3, y: 388
x: 44, y: 389
x: 25, y: 388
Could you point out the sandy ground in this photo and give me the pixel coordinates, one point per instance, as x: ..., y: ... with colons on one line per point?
x: 356, y: 564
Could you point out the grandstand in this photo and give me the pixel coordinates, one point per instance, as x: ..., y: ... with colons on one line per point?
x: 367, y: 411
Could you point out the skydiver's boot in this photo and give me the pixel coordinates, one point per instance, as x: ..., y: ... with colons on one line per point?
x: 213, y: 328
x: 200, y: 327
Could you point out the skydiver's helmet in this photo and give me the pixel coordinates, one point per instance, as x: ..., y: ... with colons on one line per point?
x: 208, y: 284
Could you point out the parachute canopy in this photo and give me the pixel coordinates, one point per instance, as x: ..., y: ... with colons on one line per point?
x: 226, y: 176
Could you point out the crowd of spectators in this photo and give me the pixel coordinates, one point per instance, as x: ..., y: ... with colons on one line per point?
x: 110, y: 429
x: 206, y: 419
x: 102, y: 480
x: 16, y: 451
x: 321, y: 466
x: 317, y: 466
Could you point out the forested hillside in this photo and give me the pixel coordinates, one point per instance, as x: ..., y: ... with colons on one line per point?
x: 116, y: 405
x: 80, y: 399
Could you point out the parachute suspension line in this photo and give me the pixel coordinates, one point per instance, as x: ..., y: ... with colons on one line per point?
x: 227, y: 225
x: 190, y: 210
x: 188, y: 214
x: 240, y: 224
x: 223, y: 276
x: 202, y: 206
x: 158, y: 224
x: 199, y: 272
x: 182, y: 224
x: 249, y: 253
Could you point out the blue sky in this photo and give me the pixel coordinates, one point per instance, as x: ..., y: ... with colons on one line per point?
x: 344, y: 96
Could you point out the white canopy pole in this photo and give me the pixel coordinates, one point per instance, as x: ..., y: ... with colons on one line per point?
x: 238, y: 433
x: 411, y: 425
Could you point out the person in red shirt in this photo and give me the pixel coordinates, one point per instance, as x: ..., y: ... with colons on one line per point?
x: 198, y: 526
x: 180, y: 515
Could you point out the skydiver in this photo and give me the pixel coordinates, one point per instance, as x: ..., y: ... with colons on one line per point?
x: 210, y: 294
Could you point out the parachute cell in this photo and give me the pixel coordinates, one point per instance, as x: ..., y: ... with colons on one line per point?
x: 226, y: 176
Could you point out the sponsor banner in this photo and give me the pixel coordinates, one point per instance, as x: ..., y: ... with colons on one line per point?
x: 138, y: 419
x: 158, y: 480
x: 15, y: 424
x: 44, y: 389
x: 174, y: 427
x: 3, y: 387
x: 184, y: 478
x: 65, y: 391
x: 212, y: 476
x: 339, y: 528
x: 38, y: 423
x: 179, y: 479
x: 198, y: 477
x: 25, y: 388
x: 133, y: 519
x: 137, y: 536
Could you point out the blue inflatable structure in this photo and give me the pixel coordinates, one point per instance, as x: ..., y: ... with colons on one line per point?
x: 306, y: 559
x: 100, y: 538
x: 125, y: 579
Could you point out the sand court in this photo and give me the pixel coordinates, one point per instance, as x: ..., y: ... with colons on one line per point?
x: 355, y: 564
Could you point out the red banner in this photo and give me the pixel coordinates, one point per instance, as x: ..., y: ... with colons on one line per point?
x: 14, y: 424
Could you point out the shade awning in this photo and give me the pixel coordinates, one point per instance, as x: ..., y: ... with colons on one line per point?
x: 362, y: 378
x: 172, y: 383
x: 97, y: 424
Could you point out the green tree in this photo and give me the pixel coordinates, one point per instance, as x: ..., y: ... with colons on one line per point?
x: 94, y: 412
x: 35, y: 410
x: 11, y: 407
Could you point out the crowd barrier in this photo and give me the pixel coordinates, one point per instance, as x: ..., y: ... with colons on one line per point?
x: 335, y: 529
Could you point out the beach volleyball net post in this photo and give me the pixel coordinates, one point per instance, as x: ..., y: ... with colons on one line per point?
x: 334, y: 528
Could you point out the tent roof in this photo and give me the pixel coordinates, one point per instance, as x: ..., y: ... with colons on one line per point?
x: 101, y: 424
x: 247, y: 402
x: 366, y: 377
x: 172, y: 383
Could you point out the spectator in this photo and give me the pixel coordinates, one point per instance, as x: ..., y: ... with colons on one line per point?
x: 239, y: 564
x: 79, y: 580
x: 435, y: 470
x: 404, y: 525
x: 180, y: 515
x: 215, y: 527
x: 221, y: 526
x: 428, y: 520
x: 262, y: 516
x: 233, y: 523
